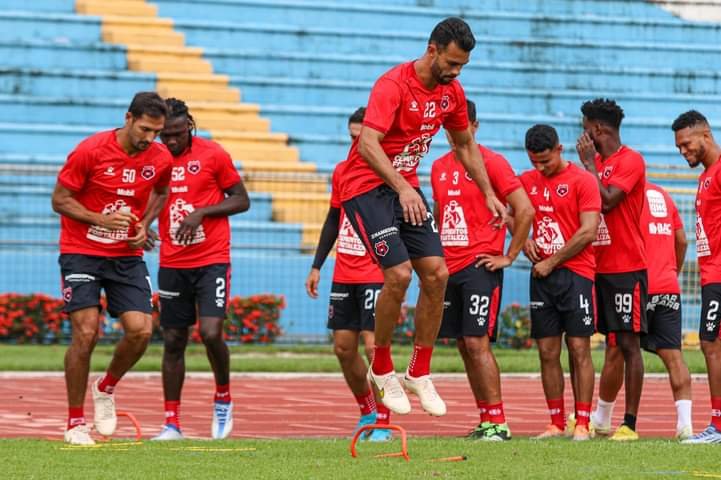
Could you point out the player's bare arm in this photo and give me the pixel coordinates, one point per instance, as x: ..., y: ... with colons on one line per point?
x: 522, y: 219
x: 610, y: 196
x: 680, y: 245
x: 369, y: 146
x: 328, y: 236
x: 65, y: 204
x: 236, y: 201
x: 585, y: 234
x: 470, y: 156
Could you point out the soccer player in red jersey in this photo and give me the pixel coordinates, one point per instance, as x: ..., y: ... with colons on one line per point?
x: 473, y: 249
x: 568, y: 205
x: 383, y: 201
x: 103, y: 193
x: 697, y: 145
x: 621, y: 280
x: 357, y: 281
x: 664, y: 236
x: 194, y: 275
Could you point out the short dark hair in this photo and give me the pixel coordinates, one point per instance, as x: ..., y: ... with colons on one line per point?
x: 540, y: 138
x: 471, y: 107
x: 357, y: 116
x: 453, y: 29
x: 603, y: 110
x: 147, y: 103
x: 691, y: 118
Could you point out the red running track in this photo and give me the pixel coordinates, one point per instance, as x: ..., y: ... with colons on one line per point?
x: 290, y: 405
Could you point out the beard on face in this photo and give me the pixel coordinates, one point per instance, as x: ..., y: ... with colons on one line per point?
x: 438, y: 74
x: 696, y: 158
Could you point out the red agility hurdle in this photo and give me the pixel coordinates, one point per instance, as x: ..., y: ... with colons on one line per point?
x: 404, y: 440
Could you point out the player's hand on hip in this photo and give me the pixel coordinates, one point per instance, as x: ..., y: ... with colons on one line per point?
x: 493, y: 262
x: 138, y: 240
x: 311, y: 283
x: 118, y: 220
x: 586, y: 151
x: 498, y: 210
x: 542, y: 269
x: 186, y: 231
x: 414, y: 210
x: 150, y: 240
x: 530, y: 249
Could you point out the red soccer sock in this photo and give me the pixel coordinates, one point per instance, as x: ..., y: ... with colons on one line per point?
x: 555, y: 410
x: 383, y: 416
x: 107, y: 383
x: 420, y: 361
x: 583, y: 414
x: 483, y: 411
x: 172, y: 413
x: 716, y: 412
x: 76, y: 416
x: 222, y: 393
x: 495, y: 413
x: 382, y: 360
x: 366, y: 403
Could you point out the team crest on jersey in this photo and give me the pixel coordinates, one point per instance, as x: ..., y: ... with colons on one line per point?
x: 381, y: 248
x: 534, y: 190
x: 414, y: 106
x: 147, y: 172
x: 607, y: 172
x: 445, y: 102
x: 443, y: 177
x: 468, y: 177
x: 706, y: 183
x: 562, y: 189
x: 194, y: 166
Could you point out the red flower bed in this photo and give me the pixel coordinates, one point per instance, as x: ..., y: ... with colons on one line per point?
x: 38, y: 318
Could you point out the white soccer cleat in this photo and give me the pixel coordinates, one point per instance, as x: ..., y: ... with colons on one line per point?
x: 390, y: 392
x: 105, y: 418
x: 79, y: 435
x: 423, y: 387
x: 222, y: 420
x: 685, y: 433
x: 598, y: 428
x: 168, y: 433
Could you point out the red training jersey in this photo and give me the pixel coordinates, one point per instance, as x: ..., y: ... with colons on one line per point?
x: 559, y: 201
x: 708, y: 224
x: 660, y: 220
x: 619, y: 243
x: 409, y: 115
x: 105, y: 179
x: 200, y: 177
x: 465, y: 221
x: 352, y: 262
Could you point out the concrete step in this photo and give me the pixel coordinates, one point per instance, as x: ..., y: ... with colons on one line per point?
x: 138, y: 8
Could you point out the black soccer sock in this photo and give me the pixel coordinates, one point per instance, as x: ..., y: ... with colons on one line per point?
x: 630, y: 421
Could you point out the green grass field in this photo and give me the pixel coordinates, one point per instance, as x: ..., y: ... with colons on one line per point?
x: 303, y: 459
x: 310, y: 359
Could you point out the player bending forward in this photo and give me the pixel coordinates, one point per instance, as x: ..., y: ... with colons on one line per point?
x: 104, y: 193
